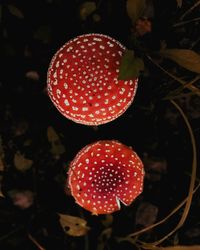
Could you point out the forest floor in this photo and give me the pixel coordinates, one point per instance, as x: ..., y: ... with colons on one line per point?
x: 37, y: 142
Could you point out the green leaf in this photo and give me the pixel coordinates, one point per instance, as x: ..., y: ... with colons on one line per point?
x: 130, y: 66
x: 135, y: 9
x: 86, y: 9
x: 186, y: 58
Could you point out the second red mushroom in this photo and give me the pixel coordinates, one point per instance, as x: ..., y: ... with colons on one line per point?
x: 105, y: 174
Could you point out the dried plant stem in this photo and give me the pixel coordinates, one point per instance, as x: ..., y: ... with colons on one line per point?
x: 186, y: 22
x: 181, y: 88
x: 179, y: 96
x: 133, y: 237
x: 190, y: 10
x: 191, y: 187
x: 35, y: 242
x: 190, y: 87
x: 11, y: 233
x: 163, y: 220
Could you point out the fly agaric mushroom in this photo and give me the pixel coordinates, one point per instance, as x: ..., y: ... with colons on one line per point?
x: 104, y: 174
x: 83, y: 80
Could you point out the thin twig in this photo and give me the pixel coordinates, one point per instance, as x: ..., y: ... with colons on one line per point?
x: 195, y: 43
x: 186, y: 22
x: 11, y: 233
x: 190, y: 10
x: 181, y: 88
x: 191, y: 187
x: 35, y: 242
x: 163, y: 220
x: 192, y: 88
x: 172, y: 97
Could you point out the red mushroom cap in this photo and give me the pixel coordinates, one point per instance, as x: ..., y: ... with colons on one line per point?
x: 83, y: 80
x: 103, y: 174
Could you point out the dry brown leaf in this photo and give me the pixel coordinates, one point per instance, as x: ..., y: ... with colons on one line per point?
x: 103, y: 238
x: 21, y: 163
x: 146, y: 214
x: 15, y: 11
x: 1, y: 165
x: 1, y: 154
x: 52, y: 135
x: 33, y: 75
x: 73, y: 226
x: 57, y: 148
x: 179, y: 248
x: 1, y: 194
x: 108, y: 220
x: 86, y: 9
x: 135, y: 9
x: 186, y: 58
x: 179, y: 3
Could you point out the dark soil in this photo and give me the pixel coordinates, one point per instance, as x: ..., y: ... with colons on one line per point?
x: 30, y: 36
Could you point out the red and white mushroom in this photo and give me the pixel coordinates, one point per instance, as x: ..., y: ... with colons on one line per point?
x: 83, y: 80
x: 104, y: 174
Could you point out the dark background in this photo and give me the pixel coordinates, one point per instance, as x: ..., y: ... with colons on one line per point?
x: 31, y: 32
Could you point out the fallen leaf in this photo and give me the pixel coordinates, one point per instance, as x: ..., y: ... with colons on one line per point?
x: 1, y: 194
x: 57, y: 148
x: 1, y: 154
x: 21, y: 128
x: 21, y: 163
x: 96, y: 18
x: 179, y: 248
x: 15, y: 11
x: 43, y: 34
x: 22, y: 199
x: 52, y: 135
x: 73, y: 226
x: 1, y: 165
x: 146, y: 214
x: 108, y: 220
x: 130, y: 66
x: 33, y: 75
x: 179, y: 3
x: 135, y: 9
x: 86, y: 9
x: 103, y: 238
x: 186, y: 58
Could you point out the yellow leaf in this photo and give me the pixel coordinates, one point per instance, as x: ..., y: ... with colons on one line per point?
x: 15, y: 11
x: 179, y: 248
x: 73, y: 226
x: 86, y: 9
x: 135, y: 9
x: 22, y: 163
